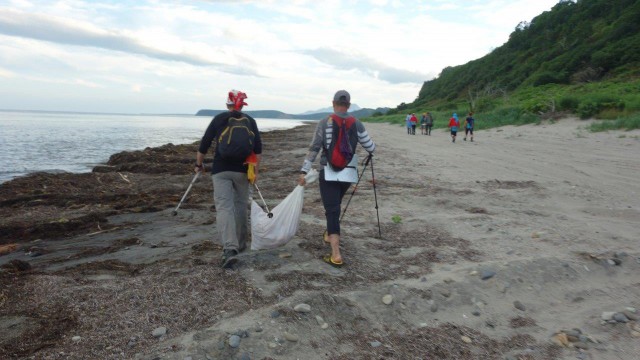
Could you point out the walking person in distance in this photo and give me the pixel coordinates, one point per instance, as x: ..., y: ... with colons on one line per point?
x: 429, y: 123
x: 454, y: 124
x: 469, y: 122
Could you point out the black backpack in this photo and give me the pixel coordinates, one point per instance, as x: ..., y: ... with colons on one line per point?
x: 340, y: 152
x: 236, y: 141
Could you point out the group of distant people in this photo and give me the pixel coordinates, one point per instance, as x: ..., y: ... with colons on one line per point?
x: 426, y: 123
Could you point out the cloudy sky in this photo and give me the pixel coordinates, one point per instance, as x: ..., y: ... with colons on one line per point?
x: 147, y: 56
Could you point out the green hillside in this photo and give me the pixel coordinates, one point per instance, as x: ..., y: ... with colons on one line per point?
x: 581, y: 57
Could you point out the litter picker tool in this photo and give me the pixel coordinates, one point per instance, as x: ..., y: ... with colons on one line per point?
x: 368, y: 160
x: 269, y: 213
x: 195, y: 177
x: 366, y: 163
x: 375, y: 195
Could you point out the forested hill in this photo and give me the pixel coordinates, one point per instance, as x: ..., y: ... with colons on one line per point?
x: 576, y: 42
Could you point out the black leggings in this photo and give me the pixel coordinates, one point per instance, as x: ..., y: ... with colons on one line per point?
x: 332, y: 193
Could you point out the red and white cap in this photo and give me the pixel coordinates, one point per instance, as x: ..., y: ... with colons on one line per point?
x: 236, y: 98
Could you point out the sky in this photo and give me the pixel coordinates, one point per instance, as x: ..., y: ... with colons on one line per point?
x: 177, y: 57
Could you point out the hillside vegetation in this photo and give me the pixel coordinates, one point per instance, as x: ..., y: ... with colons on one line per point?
x: 581, y: 57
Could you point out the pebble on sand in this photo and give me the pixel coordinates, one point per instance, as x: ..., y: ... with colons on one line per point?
x: 518, y: 305
x: 234, y: 341
x: 303, y: 308
x: 466, y: 339
x: 487, y: 274
x: 387, y: 299
x: 290, y: 337
x: 159, y: 332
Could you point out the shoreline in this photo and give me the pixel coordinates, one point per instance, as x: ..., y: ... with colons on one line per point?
x: 110, y: 135
x: 515, y: 245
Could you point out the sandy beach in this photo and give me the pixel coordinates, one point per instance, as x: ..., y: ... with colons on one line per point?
x: 520, y: 245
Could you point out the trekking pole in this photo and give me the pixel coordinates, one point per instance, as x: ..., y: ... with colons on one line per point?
x: 375, y: 196
x: 269, y: 213
x: 366, y: 162
x: 195, y: 177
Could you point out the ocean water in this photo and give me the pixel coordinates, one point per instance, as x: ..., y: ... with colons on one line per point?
x: 72, y: 142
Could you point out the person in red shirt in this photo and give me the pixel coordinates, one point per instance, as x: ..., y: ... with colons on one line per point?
x: 414, y: 122
x: 454, y: 124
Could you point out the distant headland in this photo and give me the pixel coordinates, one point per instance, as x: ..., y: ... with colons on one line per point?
x: 275, y: 114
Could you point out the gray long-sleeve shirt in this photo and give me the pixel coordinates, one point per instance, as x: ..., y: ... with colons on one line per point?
x: 322, y: 139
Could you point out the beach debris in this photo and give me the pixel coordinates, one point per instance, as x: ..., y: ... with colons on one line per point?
x: 8, y: 248
x: 573, y: 338
x: 17, y: 266
x: 605, y: 259
x: 125, y: 178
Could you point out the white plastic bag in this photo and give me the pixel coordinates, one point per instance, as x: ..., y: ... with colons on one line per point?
x: 269, y: 233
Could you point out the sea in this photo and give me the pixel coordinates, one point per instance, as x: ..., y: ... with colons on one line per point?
x: 37, y: 141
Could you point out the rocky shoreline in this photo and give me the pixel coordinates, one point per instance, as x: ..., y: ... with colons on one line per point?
x: 499, y: 265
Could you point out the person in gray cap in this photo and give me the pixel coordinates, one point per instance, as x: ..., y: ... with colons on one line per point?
x: 335, y: 178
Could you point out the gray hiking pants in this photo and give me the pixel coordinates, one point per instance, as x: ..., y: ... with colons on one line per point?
x: 231, y: 196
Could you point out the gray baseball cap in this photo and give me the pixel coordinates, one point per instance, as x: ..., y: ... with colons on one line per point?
x: 342, y: 96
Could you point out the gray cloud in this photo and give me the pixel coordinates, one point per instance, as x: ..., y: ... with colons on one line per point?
x: 346, y: 61
x: 49, y: 29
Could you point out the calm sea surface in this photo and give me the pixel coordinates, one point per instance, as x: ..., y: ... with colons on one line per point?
x: 55, y: 142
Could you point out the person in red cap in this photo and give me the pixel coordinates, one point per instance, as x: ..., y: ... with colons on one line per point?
x: 237, y: 137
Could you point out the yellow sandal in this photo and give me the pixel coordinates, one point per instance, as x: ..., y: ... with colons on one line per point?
x: 329, y: 260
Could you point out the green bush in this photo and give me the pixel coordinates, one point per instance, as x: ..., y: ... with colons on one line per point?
x: 550, y: 77
x: 485, y: 104
x: 587, y: 109
x: 569, y: 103
x: 536, y: 106
x: 624, y: 123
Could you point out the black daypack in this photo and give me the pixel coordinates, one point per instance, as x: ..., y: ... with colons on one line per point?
x: 340, y: 152
x: 236, y: 141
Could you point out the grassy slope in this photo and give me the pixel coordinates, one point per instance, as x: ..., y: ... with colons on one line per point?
x: 578, y: 58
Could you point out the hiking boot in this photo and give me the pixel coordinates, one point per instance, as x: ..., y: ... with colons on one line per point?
x: 471, y: 139
x: 465, y: 139
x: 229, y: 258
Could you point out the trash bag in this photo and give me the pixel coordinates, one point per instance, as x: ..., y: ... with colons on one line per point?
x: 269, y: 233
